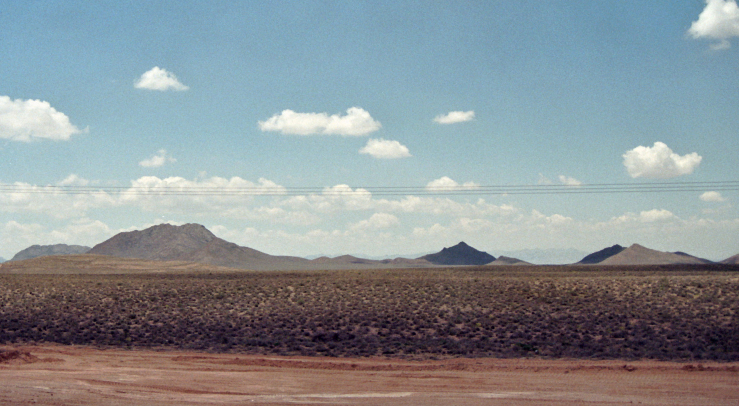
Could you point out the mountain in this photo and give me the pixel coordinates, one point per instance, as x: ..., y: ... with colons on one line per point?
x: 503, y: 260
x: 731, y: 260
x: 601, y: 255
x: 460, y: 254
x: 36, y: 251
x: 638, y: 255
x: 549, y: 256
x: 190, y: 242
x: 194, y: 243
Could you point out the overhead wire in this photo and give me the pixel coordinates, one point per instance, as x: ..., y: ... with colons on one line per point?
x: 461, y: 190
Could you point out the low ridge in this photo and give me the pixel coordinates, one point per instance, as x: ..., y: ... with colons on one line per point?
x: 503, y: 260
x: 36, y: 251
x: 460, y: 254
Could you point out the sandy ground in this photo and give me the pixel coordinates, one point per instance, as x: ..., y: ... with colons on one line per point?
x: 62, y: 375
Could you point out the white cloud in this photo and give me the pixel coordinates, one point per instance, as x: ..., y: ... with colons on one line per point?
x: 445, y: 183
x: 376, y: 222
x: 26, y: 120
x: 73, y: 180
x: 455, y: 117
x: 157, y: 160
x: 332, y: 199
x: 159, y: 79
x: 712, y: 197
x: 656, y: 215
x: 718, y: 21
x: 212, y: 195
x: 659, y: 162
x: 569, y: 181
x: 647, y: 216
x: 55, y: 201
x: 356, y: 122
x: 385, y: 149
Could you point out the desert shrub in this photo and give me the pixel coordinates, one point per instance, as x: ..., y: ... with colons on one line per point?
x: 567, y: 313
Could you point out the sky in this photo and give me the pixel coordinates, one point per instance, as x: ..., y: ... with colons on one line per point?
x: 373, y: 128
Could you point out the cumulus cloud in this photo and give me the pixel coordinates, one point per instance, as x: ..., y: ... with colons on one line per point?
x: 455, y: 117
x: 53, y: 200
x: 718, y: 21
x: 208, y: 191
x: 157, y: 160
x: 356, y: 122
x: 446, y: 184
x: 712, y: 197
x: 385, y: 149
x: 659, y: 162
x: 159, y: 79
x: 26, y: 120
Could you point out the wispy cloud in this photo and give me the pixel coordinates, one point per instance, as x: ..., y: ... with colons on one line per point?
x: 569, y: 181
x: 659, y: 162
x: 455, y: 117
x: 26, y: 120
x: 385, y: 149
x: 356, y: 122
x: 157, y: 160
x: 446, y: 183
x: 565, y: 180
x: 159, y: 79
x: 712, y: 197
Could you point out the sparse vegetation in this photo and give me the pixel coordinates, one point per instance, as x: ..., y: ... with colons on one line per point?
x: 527, y: 312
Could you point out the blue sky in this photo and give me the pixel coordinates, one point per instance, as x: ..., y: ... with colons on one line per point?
x: 321, y: 103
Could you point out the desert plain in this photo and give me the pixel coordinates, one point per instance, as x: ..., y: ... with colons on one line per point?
x: 524, y: 335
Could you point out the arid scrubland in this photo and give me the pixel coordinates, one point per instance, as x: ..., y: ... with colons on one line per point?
x: 661, y: 313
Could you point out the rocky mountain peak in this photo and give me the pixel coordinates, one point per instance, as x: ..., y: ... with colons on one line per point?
x: 460, y: 254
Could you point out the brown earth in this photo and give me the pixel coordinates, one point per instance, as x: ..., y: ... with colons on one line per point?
x: 67, y: 375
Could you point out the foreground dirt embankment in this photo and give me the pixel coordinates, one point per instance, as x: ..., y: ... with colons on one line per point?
x: 68, y: 375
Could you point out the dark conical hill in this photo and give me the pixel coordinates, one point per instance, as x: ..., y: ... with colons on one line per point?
x: 460, y: 254
x: 602, y: 255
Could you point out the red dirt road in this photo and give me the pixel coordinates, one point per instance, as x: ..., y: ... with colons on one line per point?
x: 61, y: 375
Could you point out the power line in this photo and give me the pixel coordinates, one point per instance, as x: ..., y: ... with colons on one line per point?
x: 477, y: 190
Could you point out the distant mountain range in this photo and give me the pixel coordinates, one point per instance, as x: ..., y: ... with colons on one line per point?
x: 36, y: 251
x: 193, y: 243
x: 548, y: 256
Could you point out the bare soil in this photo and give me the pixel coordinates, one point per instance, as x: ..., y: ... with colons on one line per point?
x: 75, y: 375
